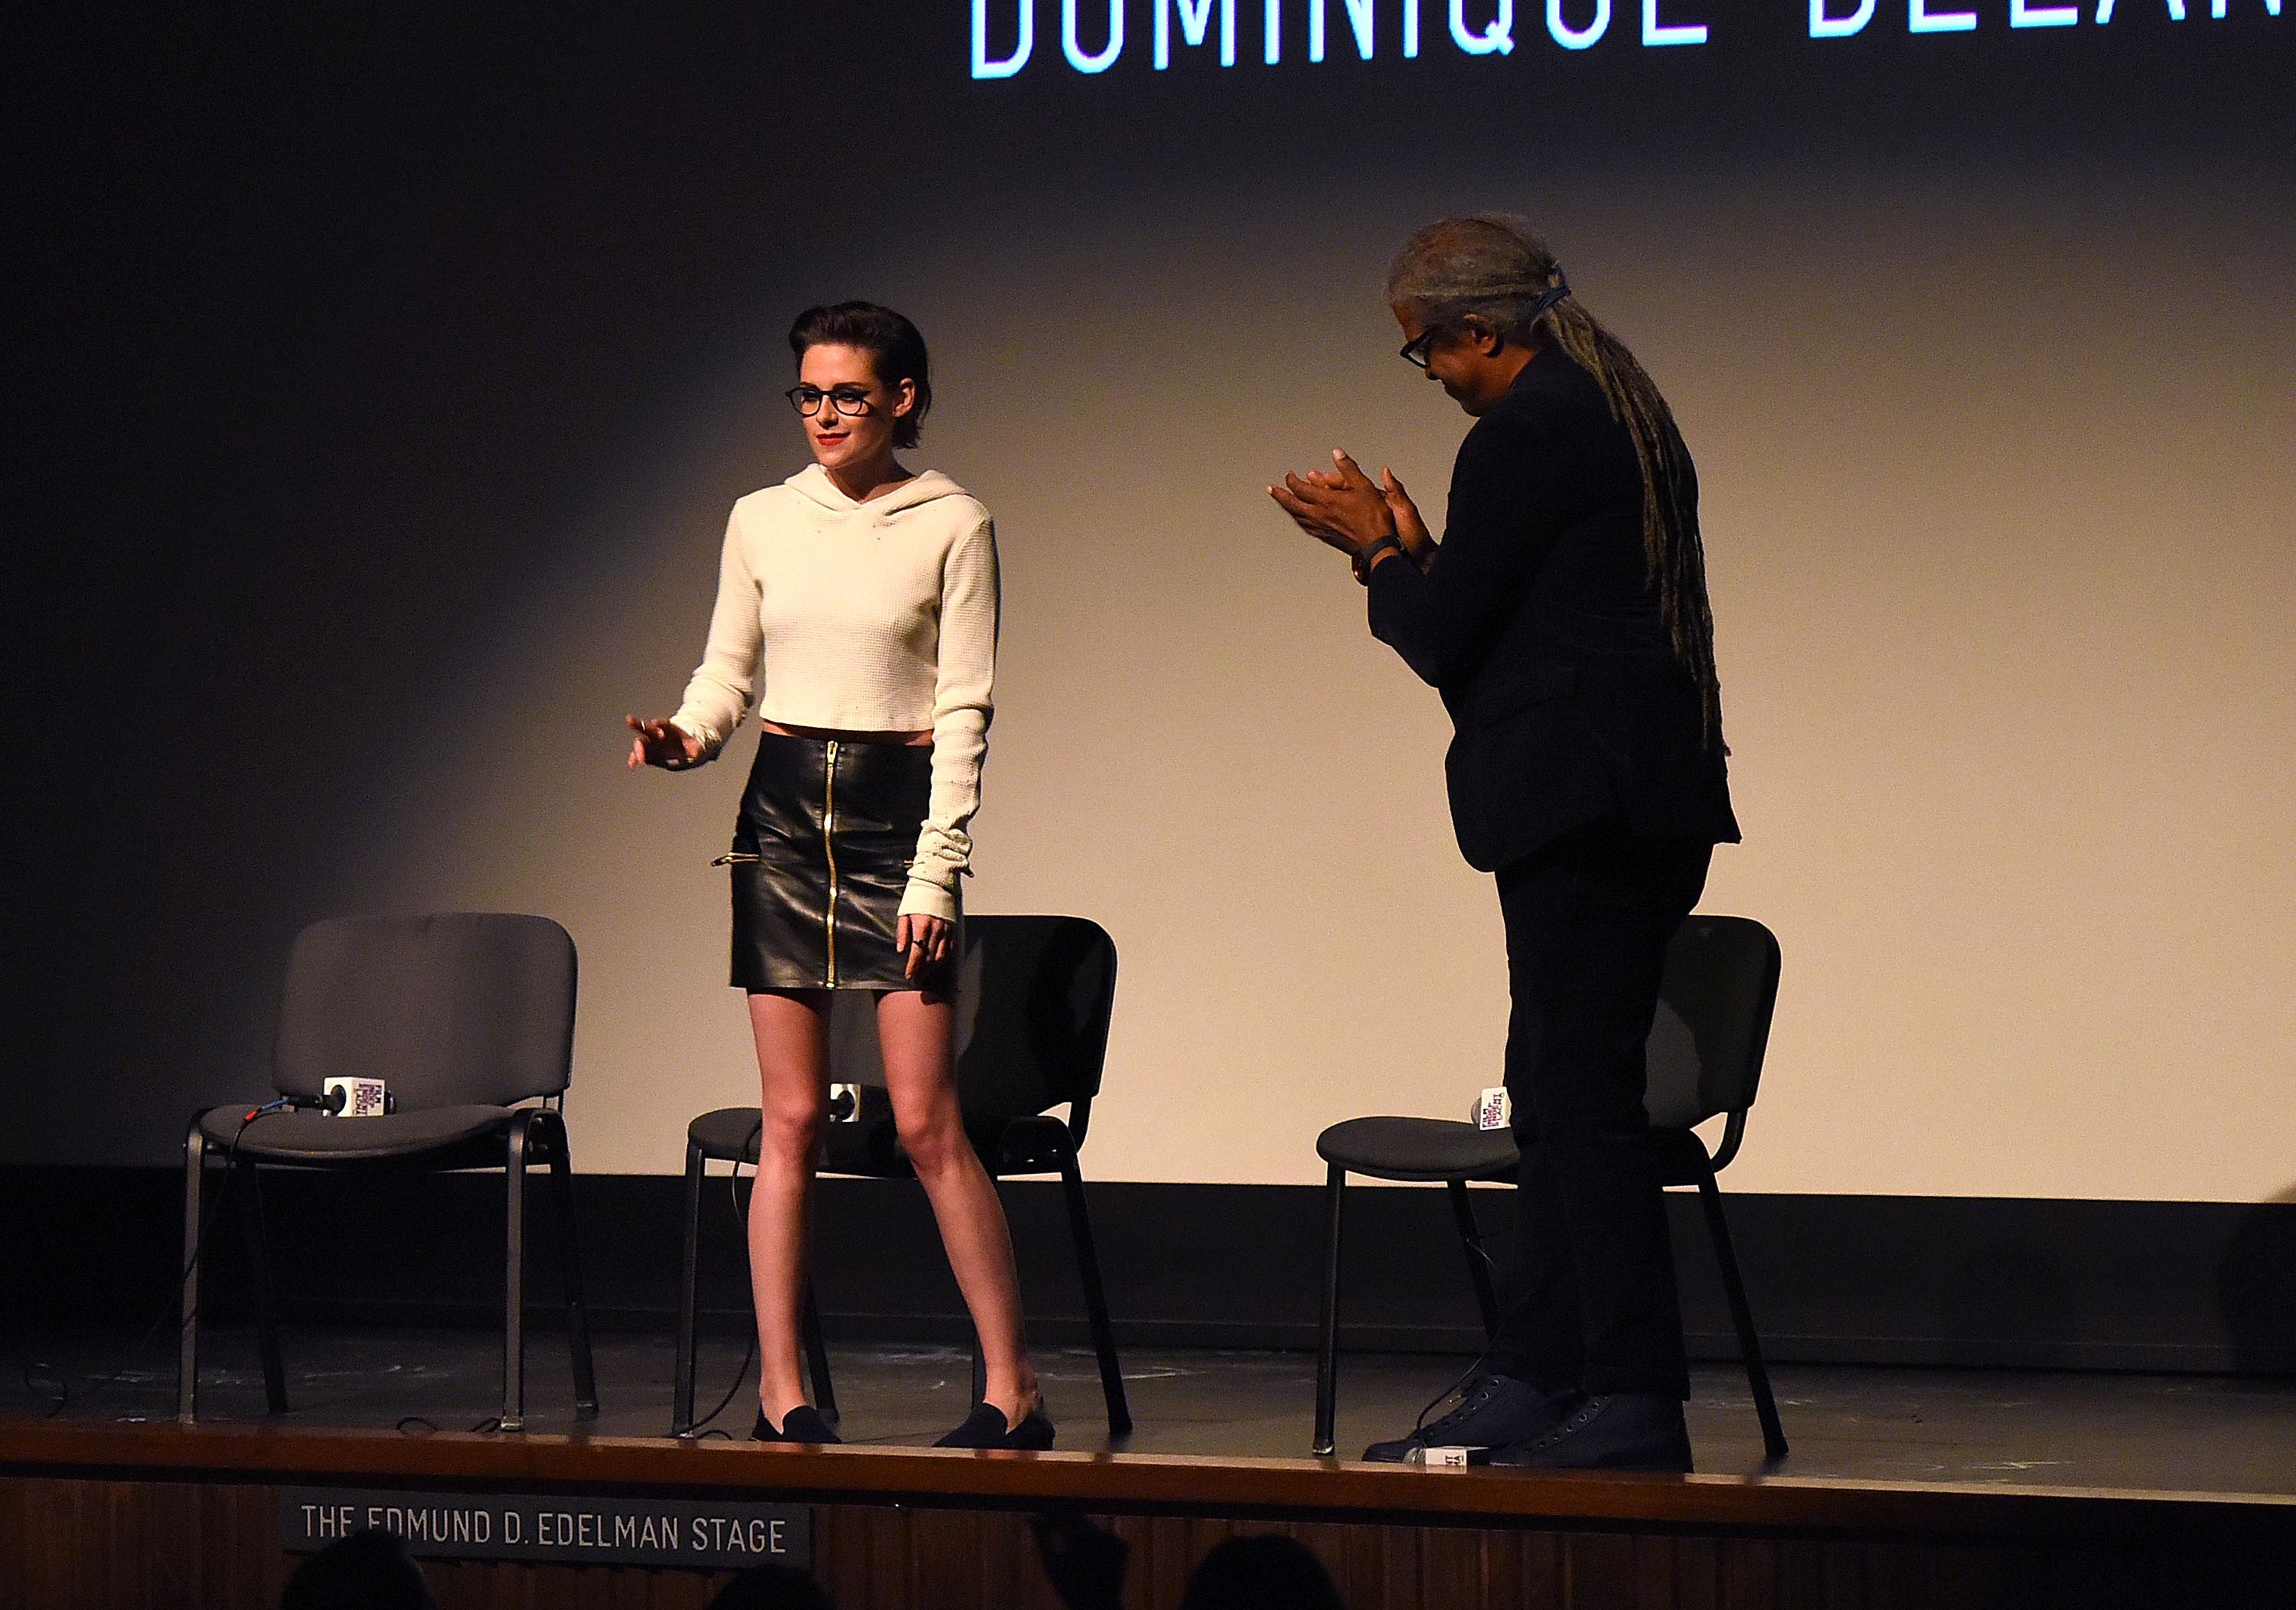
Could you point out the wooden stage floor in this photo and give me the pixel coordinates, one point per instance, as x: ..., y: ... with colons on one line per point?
x: 2000, y: 1427
x: 1905, y: 1487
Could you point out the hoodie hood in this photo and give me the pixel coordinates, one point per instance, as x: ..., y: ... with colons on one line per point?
x: 813, y: 484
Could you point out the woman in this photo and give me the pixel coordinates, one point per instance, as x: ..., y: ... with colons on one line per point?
x: 1564, y: 618
x: 856, y: 609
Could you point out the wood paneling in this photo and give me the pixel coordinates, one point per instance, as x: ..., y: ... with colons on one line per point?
x: 76, y: 1544
x: 159, y: 1528
x: 1155, y: 1483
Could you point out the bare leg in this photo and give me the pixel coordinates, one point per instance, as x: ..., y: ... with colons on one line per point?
x: 791, y: 1031
x: 916, y: 1031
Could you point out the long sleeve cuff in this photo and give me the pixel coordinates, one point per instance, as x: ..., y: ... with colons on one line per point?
x: 922, y: 898
x: 699, y: 730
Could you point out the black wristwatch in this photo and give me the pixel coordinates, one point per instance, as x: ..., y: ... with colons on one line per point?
x: 1369, y: 556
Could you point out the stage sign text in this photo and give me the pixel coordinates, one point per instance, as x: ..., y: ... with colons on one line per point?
x: 562, y: 1531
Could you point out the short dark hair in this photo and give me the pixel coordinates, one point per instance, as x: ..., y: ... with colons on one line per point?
x: 369, y: 1570
x: 896, y: 352
x: 1266, y: 1571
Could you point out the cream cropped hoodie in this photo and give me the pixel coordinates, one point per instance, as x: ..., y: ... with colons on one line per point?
x: 868, y: 616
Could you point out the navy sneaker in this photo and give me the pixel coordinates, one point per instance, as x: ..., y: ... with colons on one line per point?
x: 1611, y: 1431
x: 1492, y: 1410
x: 801, y: 1425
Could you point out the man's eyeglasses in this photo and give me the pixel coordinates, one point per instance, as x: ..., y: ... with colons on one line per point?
x: 1415, y: 352
x: 848, y: 400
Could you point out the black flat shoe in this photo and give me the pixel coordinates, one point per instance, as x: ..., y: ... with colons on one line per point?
x: 987, y: 1427
x: 801, y: 1425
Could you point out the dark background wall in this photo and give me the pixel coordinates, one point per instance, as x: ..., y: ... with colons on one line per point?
x: 1988, y: 1282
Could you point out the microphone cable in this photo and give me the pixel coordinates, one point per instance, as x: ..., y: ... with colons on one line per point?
x: 1482, y: 1357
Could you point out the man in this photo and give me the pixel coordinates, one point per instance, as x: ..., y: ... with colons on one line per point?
x: 1563, y: 620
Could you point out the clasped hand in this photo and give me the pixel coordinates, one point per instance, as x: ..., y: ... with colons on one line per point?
x: 1343, y: 507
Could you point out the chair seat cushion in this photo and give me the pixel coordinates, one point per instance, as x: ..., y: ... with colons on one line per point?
x: 1418, y: 1150
x: 870, y: 1148
x: 730, y: 1134
x: 306, y: 1137
x: 727, y: 1134
x: 1027, y: 1146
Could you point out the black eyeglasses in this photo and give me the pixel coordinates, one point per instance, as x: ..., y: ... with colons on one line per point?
x: 848, y: 400
x: 1415, y: 351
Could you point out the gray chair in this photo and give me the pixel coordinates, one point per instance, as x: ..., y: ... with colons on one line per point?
x: 1705, y: 1061
x: 464, y: 1016
x: 1034, y: 997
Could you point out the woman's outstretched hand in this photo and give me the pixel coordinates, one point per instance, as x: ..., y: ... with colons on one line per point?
x: 664, y: 744
x: 922, y: 942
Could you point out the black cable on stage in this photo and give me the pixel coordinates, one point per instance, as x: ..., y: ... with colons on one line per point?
x: 1465, y: 1375
x: 63, y: 1395
x: 741, y: 1225
x: 1482, y: 1357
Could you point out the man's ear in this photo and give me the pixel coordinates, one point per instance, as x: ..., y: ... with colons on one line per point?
x: 1488, y: 341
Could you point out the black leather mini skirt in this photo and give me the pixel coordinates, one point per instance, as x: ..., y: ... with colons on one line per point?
x: 821, y: 858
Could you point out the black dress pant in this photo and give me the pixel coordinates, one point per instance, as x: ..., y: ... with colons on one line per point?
x: 1592, y: 1306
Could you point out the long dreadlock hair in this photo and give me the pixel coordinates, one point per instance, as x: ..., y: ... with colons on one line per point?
x: 1497, y: 268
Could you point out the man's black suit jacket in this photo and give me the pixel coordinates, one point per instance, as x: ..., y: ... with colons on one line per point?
x: 1538, y: 624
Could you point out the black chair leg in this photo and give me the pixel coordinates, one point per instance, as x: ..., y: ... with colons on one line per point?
x: 1733, y: 1287
x: 187, y: 1337
x: 267, y: 1301
x: 514, y: 1410
x: 1327, y: 1351
x: 816, y: 1356
x: 1095, y: 1295
x: 681, y: 1407
x: 1479, y: 1270
x: 578, y: 1312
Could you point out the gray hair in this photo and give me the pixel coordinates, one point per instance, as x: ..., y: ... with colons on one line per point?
x: 1496, y: 267
x: 1491, y: 266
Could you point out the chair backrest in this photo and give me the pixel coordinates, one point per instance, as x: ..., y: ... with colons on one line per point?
x: 462, y: 1008
x: 1713, y: 1024
x: 1034, y: 995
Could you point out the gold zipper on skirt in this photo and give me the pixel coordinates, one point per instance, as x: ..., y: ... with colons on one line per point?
x: 829, y: 845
